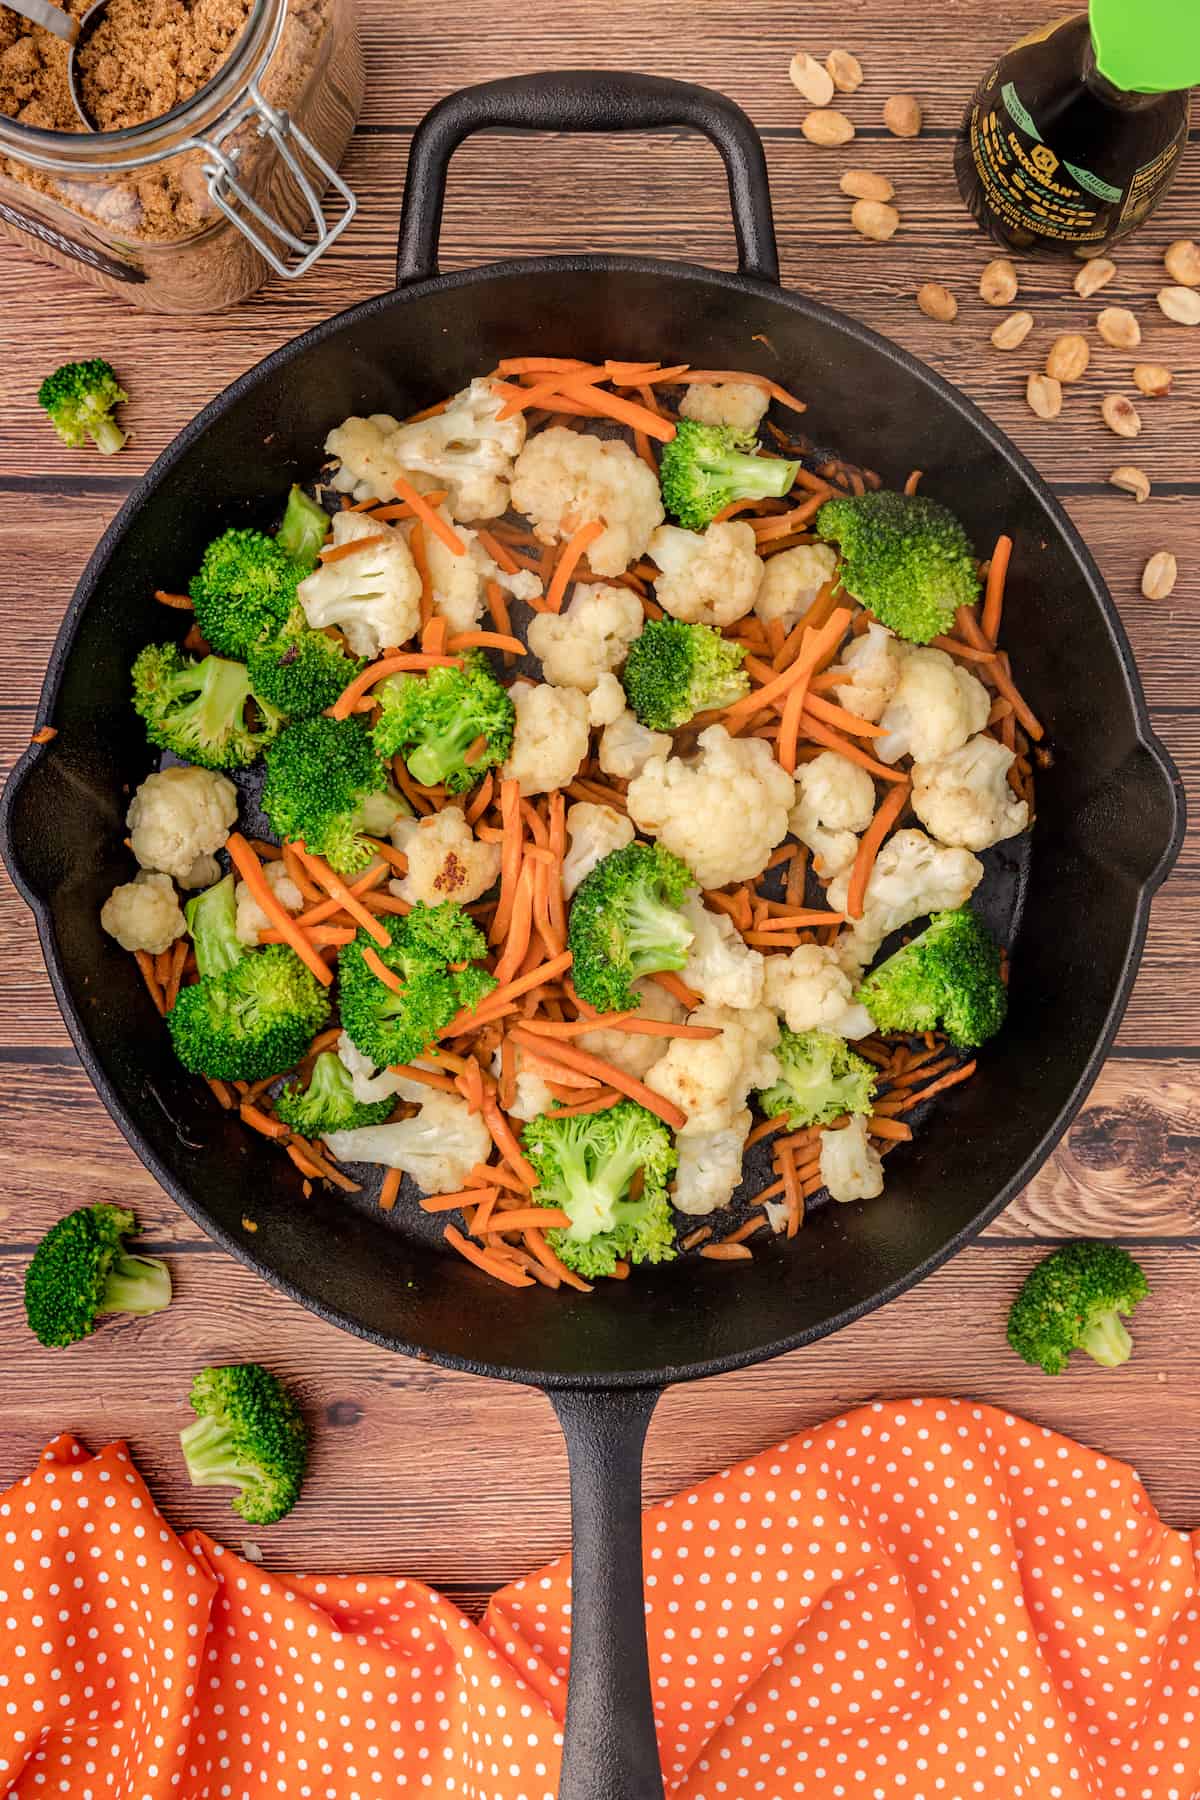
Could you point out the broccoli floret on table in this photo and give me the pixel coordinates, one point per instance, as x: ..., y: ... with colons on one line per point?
x: 948, y: 976
x: 249, y: 1434
x: 820, y: 1078
x: 299, y: 670
x: 587, y: 1165
x: 1073, y: 1300
x: 625, y: 922
x: 328, y: 1103
x: 906, y: 558
x: 79, y: 399
x: 254, y: 1012
x: 433, y: 720
x: 206, y: 712
x: 675, y: 670
x: 305, y: 528
x: 327, y: 786
x: 706, y: 467
x: 433, y: 953
x: 81, y: 1270
x: 244, y: 590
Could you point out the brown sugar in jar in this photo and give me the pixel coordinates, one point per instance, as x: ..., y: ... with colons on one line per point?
x: 215, y: 116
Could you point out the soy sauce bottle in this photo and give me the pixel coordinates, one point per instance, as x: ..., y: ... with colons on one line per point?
x: 1073, y: 138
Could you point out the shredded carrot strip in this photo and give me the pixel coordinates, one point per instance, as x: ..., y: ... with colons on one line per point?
x: 826, y: 638
x: 429, y: 516
x: 410, y: 661
x: 582, y: 388
x: 486, y: 640
x: 781, y: 525
x: 540, y: 365
x: 506, y: 1143
x: 831, y: 714
x: 339, y: 552
x: 627, y: 1021
x: 869, y: 846
x: 250, y: 870
x: 537, y: 1245
x: 944, y: 1082
x: 727, y: 1252
x: 585, y: 376
x: 531, y: 1218
x: 381, y: 971
x: 325, y: 937
x: 520, y: 927
x: 879, y: 1125
x: 298, y: 874
x: 145, y: 963
x: 490, y: 1172
x: 389, y: 1191
x: 433, y: 637
x: 337, y: 890
x: 426, y: 1077
x: 221, y: 1092
x: 793, y: 712
x: 510, y: 864
x: 969, y: 652
x: 993, y: 595
x: 401, y: 510
x: 667, y: 978
x: 181, y: 602
x: 487, y: 1260
x: 565, y: 567
x: 800, y: 920
x: 481, y: 801
x: 613, y: 1077
x: 498, y: 552
x: 1008, y: 688
x: 598, y: 1103
x: 262, y: 1122
x: 821, y: 734
x: 468, y: 1196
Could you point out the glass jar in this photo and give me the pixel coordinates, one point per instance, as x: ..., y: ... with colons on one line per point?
x: 188, y: 213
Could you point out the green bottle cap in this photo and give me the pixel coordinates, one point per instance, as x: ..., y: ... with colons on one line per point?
x: 1147, y: 46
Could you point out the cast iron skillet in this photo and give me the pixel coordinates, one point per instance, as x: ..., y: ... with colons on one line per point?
x: 1110, y: 817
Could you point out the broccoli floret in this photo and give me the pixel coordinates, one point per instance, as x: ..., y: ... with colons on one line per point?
x: 328, y: 1103
x: 305, y: 528
x: 948, y: 976
x: 625, y: 922
x: 327, y: 785
x: 392, y: 1027
x: 244, y: 590
x: 706, y: 467
x: 820, y: 1078
x: 253, y: 1013
x: 675, y: 670
x: 433, y: 720
x: 586, y: 1165
x: 81, y: 1270
x: 299, y: 670
x: 1073, y: 1300
x: 906, y: 558
x: 80, y: 398
x: 249, y: 1434
x: 206, y: 712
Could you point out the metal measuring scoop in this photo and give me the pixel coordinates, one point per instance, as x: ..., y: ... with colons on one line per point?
x: 75, y: 33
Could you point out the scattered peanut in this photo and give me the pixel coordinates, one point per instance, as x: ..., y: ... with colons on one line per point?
x: 937, y: 302
x: 998, y: 283
x: 827, y: 127
x: 1012, y: 331
x: 1180, y: 304
x: 810, y: 79
x: 1131, y: 480
x: 1069, y: 357
x: 1183, y: 262
x: 1093, y: 276
x: 875, y: 220
x: 1118, y: 327
x: 865, y: 184
x: 1152, y: 379
x: 1121, y: 415
x: 845, y: 71
x: 1160, y: 575
x: 1044, y: 395
x: 902, y: 115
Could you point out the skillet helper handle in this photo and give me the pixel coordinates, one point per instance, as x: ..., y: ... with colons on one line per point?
x: 610, y: 1751
x: 585, y: 100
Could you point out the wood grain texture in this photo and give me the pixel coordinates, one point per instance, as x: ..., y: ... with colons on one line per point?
x: 421, y: 1471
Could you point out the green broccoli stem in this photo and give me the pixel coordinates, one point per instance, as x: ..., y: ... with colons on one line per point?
x: 107, y: 436
x: 1107, y: 1341
x: 211, y: 1458
x: 657, y: 936
x: 304, y: 528
x: 754, y: 477
x: 592, y: 1201
x: 136, y: 1284
x: 435, y: 759
x: 212, y: 921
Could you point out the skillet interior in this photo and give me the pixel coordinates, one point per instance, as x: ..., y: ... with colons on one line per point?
x: 1109, y: 818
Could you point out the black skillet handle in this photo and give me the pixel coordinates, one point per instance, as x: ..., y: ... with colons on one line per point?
x: 585, y: 100
x: 610, y: 1751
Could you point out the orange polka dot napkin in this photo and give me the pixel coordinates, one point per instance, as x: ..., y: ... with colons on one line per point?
x: 919, y: 1601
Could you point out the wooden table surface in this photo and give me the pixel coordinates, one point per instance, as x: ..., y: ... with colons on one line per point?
x: 423, y: 1472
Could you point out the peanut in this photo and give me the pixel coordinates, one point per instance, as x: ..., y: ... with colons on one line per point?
x: 1160, y: 575
x: 874, y: 220
x: 1131, y: 480
x: 1044, y: 395
x: 865, y: 184
x: 1118, y: 327
x: 902, y: 115
x: 998, y: 283
x: 810, y: 79
x: 1069, y: 357
x: 1093, y: 276
x: 937, y: 302
x: 845, y: 71
x: 1151, y: 379
x: 1180, y: 304
x: 827, y: 127
x: 1012, y: 331
x: 1121, y: 415
x: 1183, y: 262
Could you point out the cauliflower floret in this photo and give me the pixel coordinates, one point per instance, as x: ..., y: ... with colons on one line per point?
x: 606, y: 702
x: 369, y: 469
x: 710, y: 1166
x: 738, y: 404
x: 710, y: 579
x: 935, y: 707
x: 373, y: 596
x: 204, y: 871
x: 533, y: 1097
x: 438, y: 1148
x: 366, y: 1084
x: 875, y: 658
x: 178, y: 815
x: 446, y: 861
x: 550, y: 736
x: 709, y: 1078
x: 593, y: 832
x: 564, y: 479
x: 723, y: 811
x: 466, y: 449
x: 721, y: 966
x: 835, y: 799
x: 458, y: 583
x: 589, y: 639
x: 626, y: 745
x: 792, y: 580
x: 965, y: 799
x: 633, y: 1051
x: 811, y: 990
x: 912, y: 876
x: 850, y: 1165
x: 144, y: 914
x: 251, y: 919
